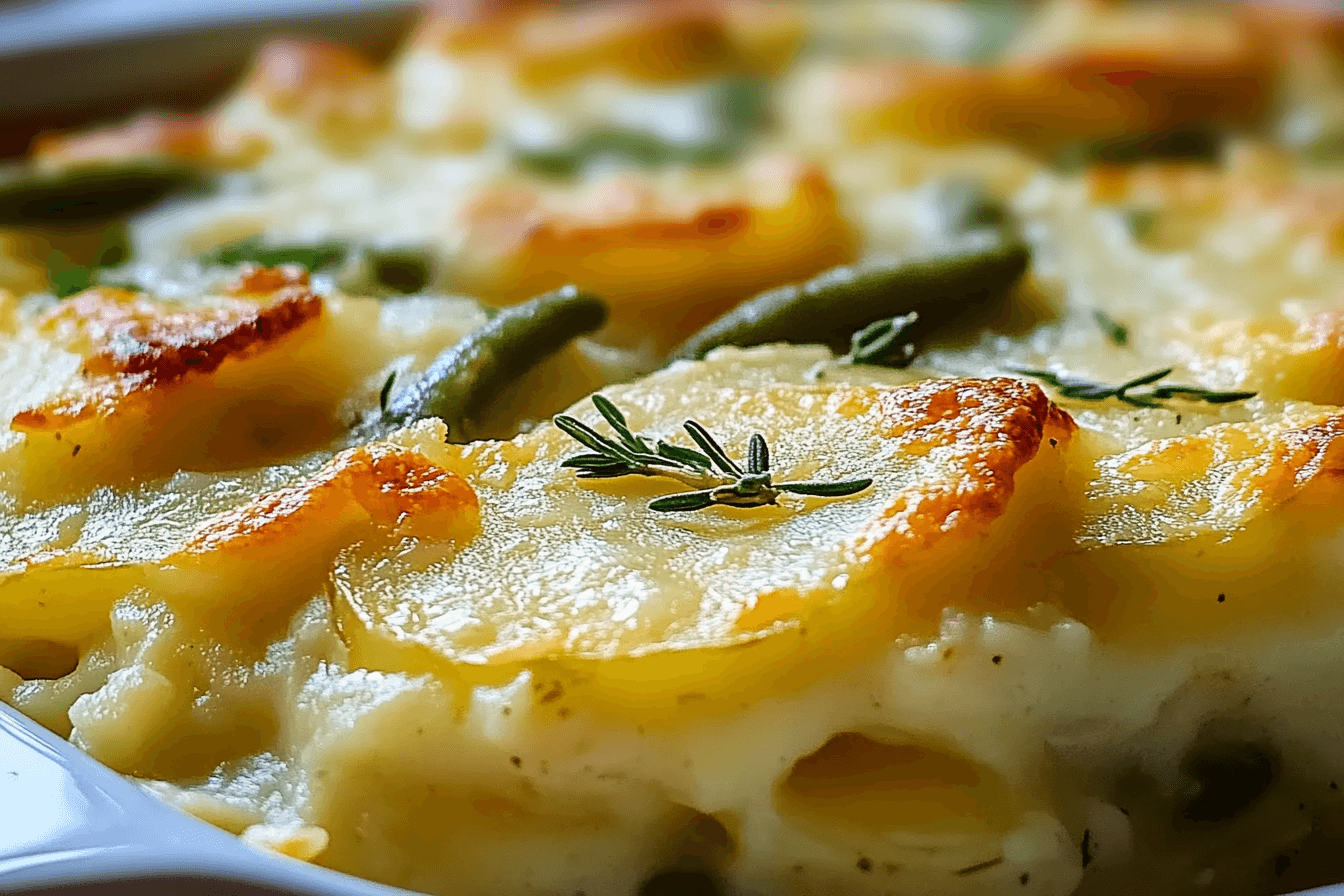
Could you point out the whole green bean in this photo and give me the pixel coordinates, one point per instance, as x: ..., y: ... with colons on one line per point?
x: 90, y: 193
x: 314, y: 256
x: 458, y: 387
x: 831, y: 306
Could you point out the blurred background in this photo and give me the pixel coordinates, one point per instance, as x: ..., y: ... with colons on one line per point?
x: 68, y: 62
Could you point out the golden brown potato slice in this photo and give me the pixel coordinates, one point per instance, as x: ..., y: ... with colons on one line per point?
x: 668, y: 251
x: 605, y: 600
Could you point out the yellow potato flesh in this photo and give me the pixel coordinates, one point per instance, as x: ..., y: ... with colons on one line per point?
x: 582, y: 584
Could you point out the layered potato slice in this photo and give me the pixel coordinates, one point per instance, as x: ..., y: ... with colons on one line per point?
x: 657, y: 41
x: 1200, y: 526
x: 670, y: 252
x: 1229, y: 277
x: 465, y: 73
x: 582, y: 583
x: 221, y: 548
x: 119, y: 388
x: 113, y: 386
x: 1080, y: 73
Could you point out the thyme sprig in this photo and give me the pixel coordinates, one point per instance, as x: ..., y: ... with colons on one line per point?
x: 884, y: 342
x: 714, y: 477
x: 1087, y: 390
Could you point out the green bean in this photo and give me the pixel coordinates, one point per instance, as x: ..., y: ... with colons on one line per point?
x: 460, y: 383
x: 632, y: 147
x: 400, y: 270
x: 738, y: 106
x: 383, y: 270
x: 1141, y: 222
x: 255, y: 250
x: 1226, y: 778
x: 1196, y: 144
x: 564, y: 162
x: 834, y: 304
x: 90, y: 193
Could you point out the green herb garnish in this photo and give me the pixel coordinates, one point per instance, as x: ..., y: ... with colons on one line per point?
x: 385, y: 392
x: 715, y: 477
x: 884, y: 342
x: 1140, y: 222
x: 1087, y: 390
x: 1115, y: 331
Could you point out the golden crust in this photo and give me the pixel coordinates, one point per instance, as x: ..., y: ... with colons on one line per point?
x: 666, y: 252
x: 993, y: 427
x: 192, y: 139
x: 1182, y: 65
x: 381, y: 485
x: 1297, y: 23
x: 132, y: 345
x: 1255, y: 466
x: 1227, y: 478
x: 1254, y: 181
x: 184, y: 137
x: 259, y: 281
x: 617, y: 213
x: 311, y: 79
x: 648, y: 40
x: 1094, y: 73
x: 1300, y: 358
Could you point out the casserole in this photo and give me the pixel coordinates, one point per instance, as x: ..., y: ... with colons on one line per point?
x: 991, y: 604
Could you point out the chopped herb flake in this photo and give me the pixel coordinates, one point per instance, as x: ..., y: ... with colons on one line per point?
x: 1115, y: 331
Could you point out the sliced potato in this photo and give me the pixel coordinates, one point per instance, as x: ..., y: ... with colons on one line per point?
x: 669, y: 252
x: 582, y: 583
x: 211, y: 553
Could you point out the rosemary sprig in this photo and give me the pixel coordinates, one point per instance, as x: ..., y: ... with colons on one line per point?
x: 714, y: 477
x: 1087, y: 390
